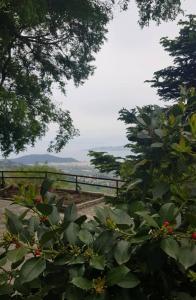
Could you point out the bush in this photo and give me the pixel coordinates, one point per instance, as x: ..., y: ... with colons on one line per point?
x: 144, y: 250
x: 146, y: 256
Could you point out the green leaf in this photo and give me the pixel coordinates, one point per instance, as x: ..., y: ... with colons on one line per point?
x: 76, y: 260
x: 120, y: 217
x: 3, y: 261
x: 184, y: 296
x: 18, y: 263
x: 4, y: 277
x: 141, y: 121
x: 170, y: 247
x: 61, y: 260
x: 159, y: 190
x: 23, y: 214
x: 104, y: 242
x: 76, y: 271
x: 46, y: 184
x: 97, y: 262
x: 71, y: 233
x: 5, y: 290
x: 129, y: 281
x: 102, y: 213
x: 143, y: 135
x: 116, y: 275
x: 33, y: 225
x: 45, y: 209
x: 191, y: 218
x: 72, y: 293
x: 192, y: 123
x: 133, y: 184
x: 85, y: 236
x: 13, y: 224
x: 47, y: 237
x: 168, y: 211
x: 148, y: 219
x: 70, y: 214
x: 156, y: 145
x: 54, y: 217
x: 37, y: 296
x: 81, y: 220
x: 16, y: 254
x: 187, y: 256
x: 139, y: 165
x: 31, y: 269
x: 82, y: 283
x: 90, y: 225
x: 159, y: 132
x: 135, y: 206
x: 182, y: 146
x: 121, y: 252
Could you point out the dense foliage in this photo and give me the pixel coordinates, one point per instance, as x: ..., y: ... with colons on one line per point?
x: 182, y: 49
x: 156, y: 10
x: 45, y: 44
x: 105, y: 162
x: 146, y: 249
x: 156, y: 135
x: 163, y: 145
x: 42, y: 43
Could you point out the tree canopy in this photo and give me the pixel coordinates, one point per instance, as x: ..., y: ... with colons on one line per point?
x: 47, y: 42
x: 105, y: 162
x: 182, y: 49
x: 156, y: 10
x: 42, y: 43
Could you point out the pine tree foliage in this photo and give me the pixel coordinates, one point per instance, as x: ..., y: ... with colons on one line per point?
x: 183, y: 73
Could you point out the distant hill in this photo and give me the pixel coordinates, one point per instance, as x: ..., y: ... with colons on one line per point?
x: 41, y: 158
x: 109, y: 148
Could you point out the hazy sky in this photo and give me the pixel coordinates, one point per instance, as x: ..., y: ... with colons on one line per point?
x: 127, y: 59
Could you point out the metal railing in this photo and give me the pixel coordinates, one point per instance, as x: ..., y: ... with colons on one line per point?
x: 117, y: 183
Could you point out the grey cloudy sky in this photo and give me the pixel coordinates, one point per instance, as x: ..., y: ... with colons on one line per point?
x: 127, y: 59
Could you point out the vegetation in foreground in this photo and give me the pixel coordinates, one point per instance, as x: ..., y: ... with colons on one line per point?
x: 145, y: 249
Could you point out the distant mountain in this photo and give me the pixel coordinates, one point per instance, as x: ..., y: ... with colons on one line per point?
x: 109, y: 148
x: 41, y: 158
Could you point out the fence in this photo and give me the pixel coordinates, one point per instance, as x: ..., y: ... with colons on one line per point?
x: 116, y: 183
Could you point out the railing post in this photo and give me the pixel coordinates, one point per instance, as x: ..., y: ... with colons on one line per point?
x: 2, y: 179
x: 76, y: 183
x: 117, y: 188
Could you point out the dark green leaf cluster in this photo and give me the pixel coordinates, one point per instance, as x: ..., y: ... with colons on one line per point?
x: 144, y: 254
x: 23, y: 119
x: 163, y: 144
x: 105, y: 162
x: 42, y: 43
x: 50, y: 41
x: 142, y: 249
x: 158, y: 10
x: 183, y: 73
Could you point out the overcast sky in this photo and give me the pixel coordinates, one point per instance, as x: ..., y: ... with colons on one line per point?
x: 127, y: 59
